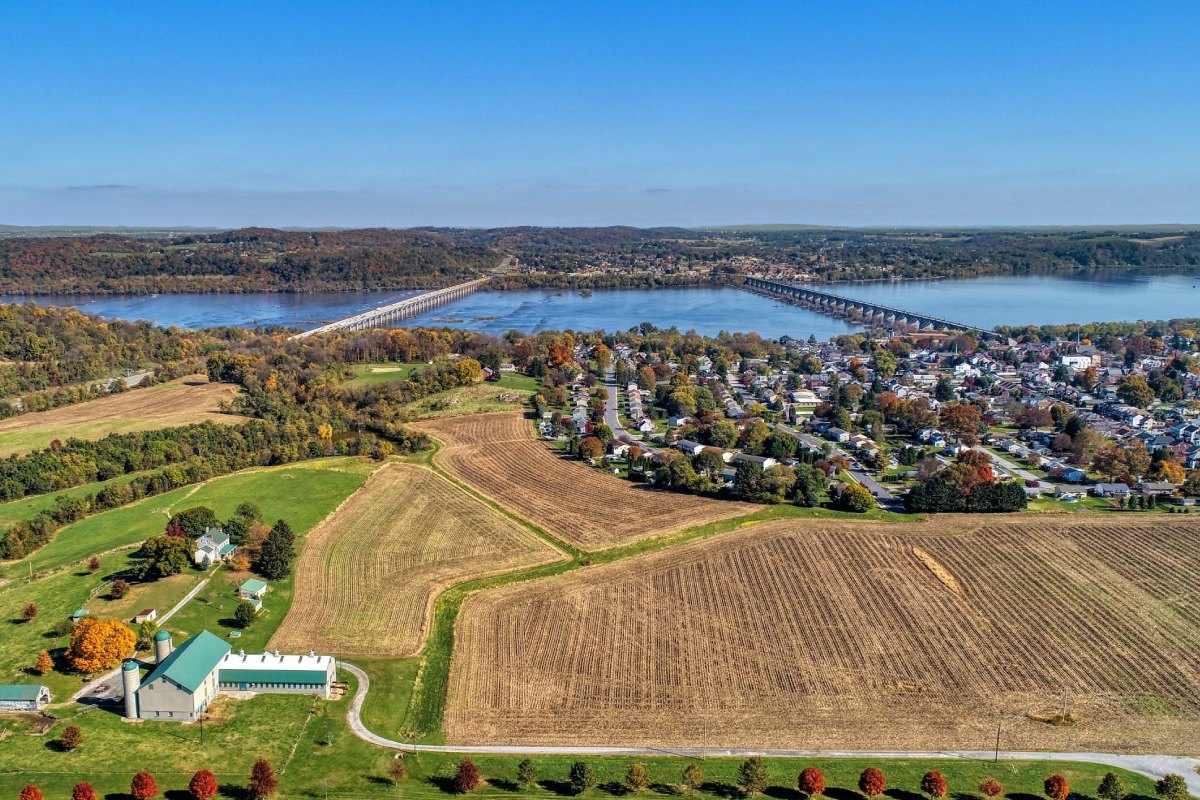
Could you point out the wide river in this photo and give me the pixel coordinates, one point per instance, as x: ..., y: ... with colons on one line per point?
x: 984, y: 302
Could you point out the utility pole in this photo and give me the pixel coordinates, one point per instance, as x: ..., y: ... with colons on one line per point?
x: 1066, y: 697
x: 998, y: 719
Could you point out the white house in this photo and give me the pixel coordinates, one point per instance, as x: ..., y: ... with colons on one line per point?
x: 213, y: 546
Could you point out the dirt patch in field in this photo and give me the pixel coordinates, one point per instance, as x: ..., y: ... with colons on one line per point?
x: 498, y: 455
x: 821, y: 634
x: 368, y: 577
x: 181, y: 402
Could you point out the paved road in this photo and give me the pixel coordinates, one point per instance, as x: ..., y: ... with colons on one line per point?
x: 1153, y: 766
x: 612, y: 420
x: 111, y: 677
x: 1012, y: 468
x: 881, y: 493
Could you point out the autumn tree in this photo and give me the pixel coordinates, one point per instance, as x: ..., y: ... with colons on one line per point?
x: 991, y: 788
x: 143, y: 786
x: 263, y: 781
x: 637, y: 778
x: 591, y: 448
x: 526, y: 773
x: 119, y: 589
x: 1112, y: 787
x: 29, y: 611
x: 31, y: 792
x: 83, y: 791
x: 811, y: 782
x: 203, y: 785
x: 693, y: 777
x: 581, y: 777
x: 752, y: 776
x: 872, y: 782
x: 99, y: 644
x: 70, y: 738
x: 1171, y: 787
x: 962, y: 420
x: 934, y: 784
x: 1056, y: 787
x: 399, y: 770
x: 467, y: 777
x: 44, y: 663
x: 93, y: 564
x: 857, y: 498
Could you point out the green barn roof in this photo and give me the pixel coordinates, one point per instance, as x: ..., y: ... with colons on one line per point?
x: 315, y: 677
x: 252, y: 585
x: 193, y: 661
x: 14, y: 692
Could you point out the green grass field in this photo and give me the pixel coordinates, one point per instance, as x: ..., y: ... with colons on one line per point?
x: 28, y: 507
x: 316, y: 756
x: 383, y: 372
x: 301, y: 493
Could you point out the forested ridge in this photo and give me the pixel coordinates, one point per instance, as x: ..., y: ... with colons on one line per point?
x: 263, y: 259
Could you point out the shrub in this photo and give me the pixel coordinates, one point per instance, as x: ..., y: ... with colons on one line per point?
x: 43, y: 664
x: 83, y: 791
x: 1111, y: 787
x: 991, y: 788
x: 29, y: 611
x: 263, y: 782
x: 70, y: 738
x: 857, y: 498
x: 933, y: 784
x: 811, y: 782
x: 31, y: 792
x: 752, y: 776
x: 143, y: 786
x: 637, y: 778
x: 467, y: 777
x: 581, y: 777
x: 93, y: 564
x: 526, y: 772
x: 119, y: 589
x: 693, y: 777
x: 1056, y: 787
x: 1171, y: 787
x: 872, y: 782
x: 203, y: 785
x: 399, y: 769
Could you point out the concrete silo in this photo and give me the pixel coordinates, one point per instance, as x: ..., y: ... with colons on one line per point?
x: 162, y: 646
x: 131, y: 681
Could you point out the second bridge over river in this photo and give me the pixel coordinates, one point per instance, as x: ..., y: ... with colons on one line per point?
x: 849, y: 308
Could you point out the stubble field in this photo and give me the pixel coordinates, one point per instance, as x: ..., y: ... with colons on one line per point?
x: 368, y: 576
x: 498, y: 455
x: 807, y: 634
x: 179, y: 402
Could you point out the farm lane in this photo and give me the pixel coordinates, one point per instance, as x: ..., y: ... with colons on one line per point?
x: 1152, y: 766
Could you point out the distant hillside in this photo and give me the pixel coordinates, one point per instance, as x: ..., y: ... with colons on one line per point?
x: 267, y: 259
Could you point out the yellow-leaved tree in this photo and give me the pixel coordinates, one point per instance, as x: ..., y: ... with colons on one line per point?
x: 99, y: 644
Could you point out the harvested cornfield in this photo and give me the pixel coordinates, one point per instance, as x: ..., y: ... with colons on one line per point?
x: 180, y: 402
x: 368, y: 575
x: 498, y: 455
x: 806, y: 634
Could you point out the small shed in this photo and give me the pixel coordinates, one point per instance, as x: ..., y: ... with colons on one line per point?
x: 79, y: 614
x: 145, y: 615
x: 23, y: 697
x: 252, y: 589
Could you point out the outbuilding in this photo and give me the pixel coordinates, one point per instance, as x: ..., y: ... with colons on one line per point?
x: 23, y: 697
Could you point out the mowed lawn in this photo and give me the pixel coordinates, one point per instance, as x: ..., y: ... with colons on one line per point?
x: 383, y: 372
x: 179, y: 402
x: 302, y: 493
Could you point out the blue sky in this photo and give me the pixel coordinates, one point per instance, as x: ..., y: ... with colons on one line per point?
x: 485, y: 114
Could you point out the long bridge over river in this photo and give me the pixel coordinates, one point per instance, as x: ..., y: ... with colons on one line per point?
x: 849, y: 308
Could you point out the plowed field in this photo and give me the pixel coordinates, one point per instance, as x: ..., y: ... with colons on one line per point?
x: 806, y: 634
x: 368, y: 576
x: 179, y: 402
x: 498, y: 455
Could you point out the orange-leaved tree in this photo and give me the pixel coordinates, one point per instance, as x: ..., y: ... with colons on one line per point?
x: 1056, y: 787
x: 991, y: 788
x: 203, y: 785
x: 83, y: 791
x: 99, y: 644
x: 263, y: 782
x: 31, y: 792
x: 44, y: 663
x: 933, y: 784
x: 143, y: 786
x: 872, y: 782
x: 812, y: 781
